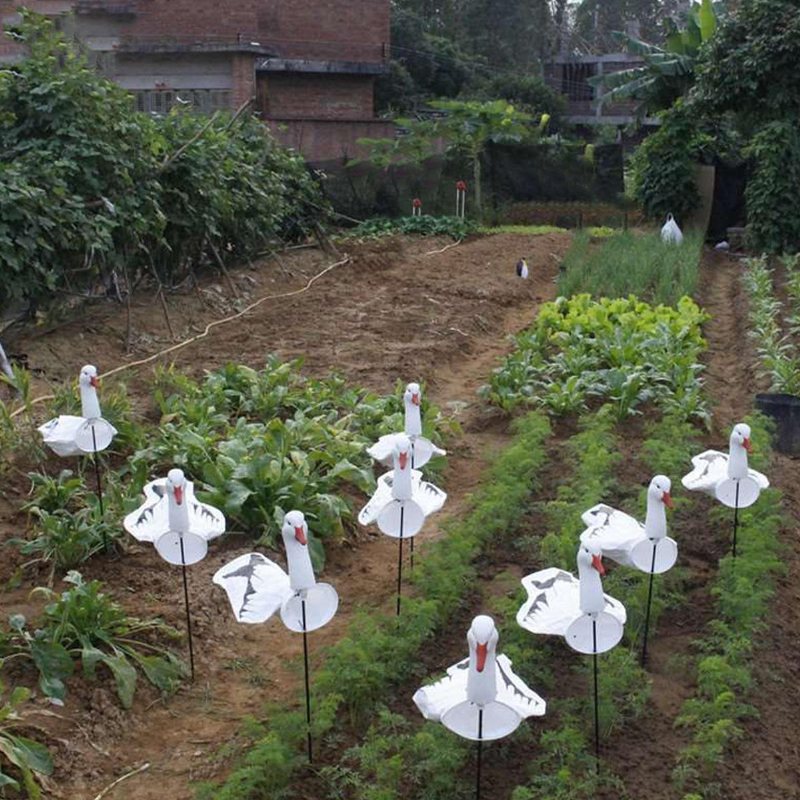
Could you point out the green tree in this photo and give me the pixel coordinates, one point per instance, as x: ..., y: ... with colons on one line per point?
x: 468, y: 126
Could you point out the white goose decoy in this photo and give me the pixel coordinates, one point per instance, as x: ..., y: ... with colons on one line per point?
x: 422, y: 449
x: 68, y: 435
x: 174, y: 520
x: 575, y: 608
x: 402, y: 500
x: 257, y: 587
x: 481, y: 698
x: 626, y: 541
x: 727, y: 476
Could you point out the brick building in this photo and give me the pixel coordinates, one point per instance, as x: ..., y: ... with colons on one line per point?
x: 309, y: 65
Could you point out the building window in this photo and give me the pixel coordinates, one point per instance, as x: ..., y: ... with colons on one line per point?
x: 201, y: 101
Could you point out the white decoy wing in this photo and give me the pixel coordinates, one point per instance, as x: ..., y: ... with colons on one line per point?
x: 150, y: 520
x: 436, y: 700
x: 430, y: 498
x: 613, y: 531
x: 422, y: 450
x: 381, y: 498
x: 71, y: 436
x: 256, y: 587
x: 710, y: 469
x: 554, y: 602
x: 514, y: 692
x: 204, y: 520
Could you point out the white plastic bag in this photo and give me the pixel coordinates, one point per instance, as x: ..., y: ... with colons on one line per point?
x: 671, y: 233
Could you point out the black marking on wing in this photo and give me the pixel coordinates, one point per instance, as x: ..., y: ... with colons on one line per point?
x: 159, y: 489
x: 204, y: 511
x: 604, y: 513
x: 560, y: 576
x: 431, y: 489
x: 463, y: 664
x: 146, y: 516
x: 541, y: 600
x: 709, y: 461
x: 247, y: 570
x: 516, y: 691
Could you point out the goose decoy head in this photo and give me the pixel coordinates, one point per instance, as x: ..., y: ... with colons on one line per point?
x: 402, y: 453
x: 412, y: 394
x: 740, y: 436
x: 659, y: 489
x: 482, y: 637
x: 176, y: 484
x: 295, y: 528
x: 590, y: 555
x: 88, y: 377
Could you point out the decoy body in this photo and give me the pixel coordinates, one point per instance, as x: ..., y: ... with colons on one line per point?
x: 559, y: 603
x: 174, y: 520
x: 625, y: 540
x: 402, y: 499
x: 422, y: 449
x: 482, y: 682
x: 258, y: 587
x: 726, y: 476
x: 522, y: 268
x: 68, y: 435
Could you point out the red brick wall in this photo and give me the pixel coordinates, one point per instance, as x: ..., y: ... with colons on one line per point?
x: 307, y: 95
x: 338, y: 30
x: 244, y: 79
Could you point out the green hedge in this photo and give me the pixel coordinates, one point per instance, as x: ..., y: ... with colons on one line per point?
x: 92, y: 190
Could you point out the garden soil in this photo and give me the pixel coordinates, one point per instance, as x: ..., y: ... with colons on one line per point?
x: 399, y: 309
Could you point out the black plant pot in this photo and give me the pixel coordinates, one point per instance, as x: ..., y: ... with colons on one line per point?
x: 785, y: 410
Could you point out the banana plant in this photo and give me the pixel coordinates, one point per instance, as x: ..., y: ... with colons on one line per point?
x: 667, y: 72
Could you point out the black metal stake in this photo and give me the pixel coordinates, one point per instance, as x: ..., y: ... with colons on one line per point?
x: 308, y: 689
x: 99, y: 490
x: 735, y: 519
x: 186, y: 604
x: 480, y: 754
x: 649, y: 601
x: 413, y: 448
x: 596, y: 700
x: 400, y: 559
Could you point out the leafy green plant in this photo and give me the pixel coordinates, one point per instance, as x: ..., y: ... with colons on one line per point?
x: 86, y: 624
x: 31, y: 758
x: 622, y: 351
x: 424, y: 225
x: 311, y: 448
x: 776, y: 350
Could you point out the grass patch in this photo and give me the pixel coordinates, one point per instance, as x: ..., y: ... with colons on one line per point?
x: 632, y: 263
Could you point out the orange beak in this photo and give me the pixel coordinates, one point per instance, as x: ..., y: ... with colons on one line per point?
x: 748, y: 445
x: 403, y: 459
x: 94, y: 382
x: 480, y: 651
x: 597, y: 563
x: 415, y: 399
x: 179, y: 494
x: 300, y: 534
x: 666, y: 499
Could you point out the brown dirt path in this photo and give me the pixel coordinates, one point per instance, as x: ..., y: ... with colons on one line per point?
x: 396, y: 311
